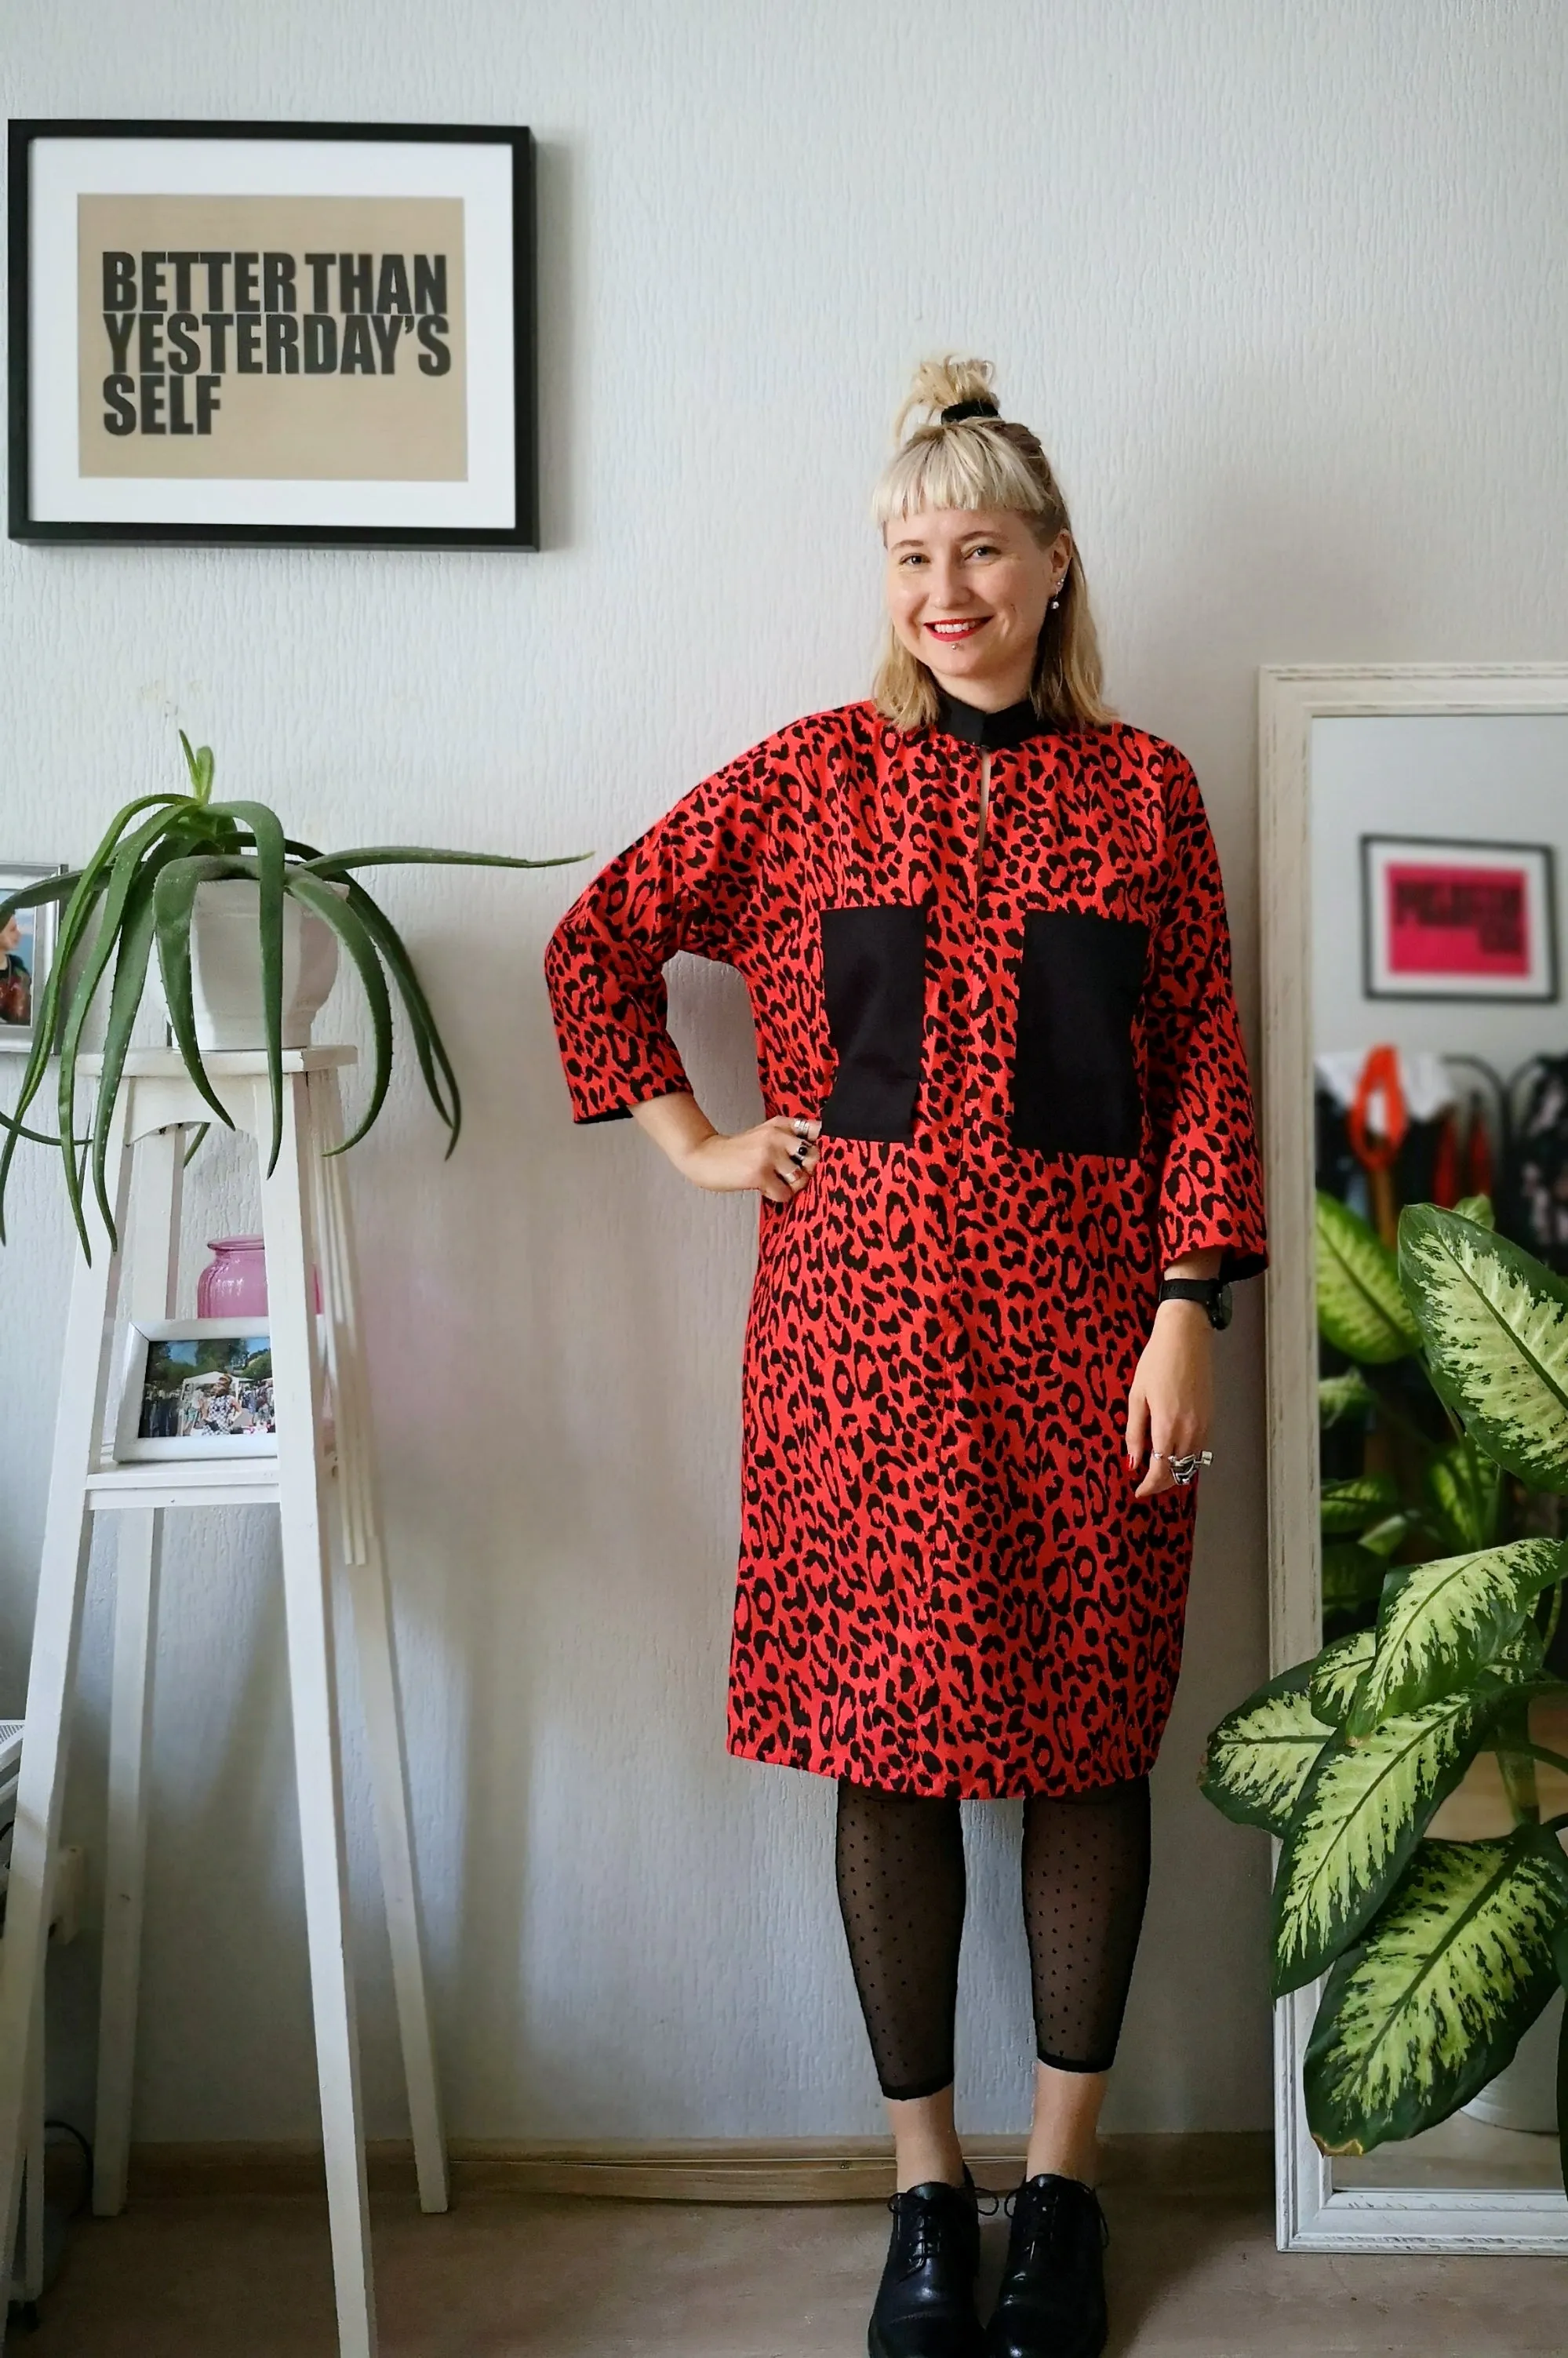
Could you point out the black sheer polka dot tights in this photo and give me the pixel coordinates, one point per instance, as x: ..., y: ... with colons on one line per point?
x: 899, y: 1862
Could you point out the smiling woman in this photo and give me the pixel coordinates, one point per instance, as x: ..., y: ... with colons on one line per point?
x: 981, y: 923
x: 986, y: 593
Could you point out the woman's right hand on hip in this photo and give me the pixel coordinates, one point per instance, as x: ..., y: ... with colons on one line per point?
x: 777, y: 1158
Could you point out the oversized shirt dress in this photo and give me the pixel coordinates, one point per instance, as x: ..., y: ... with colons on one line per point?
x: 1033, y: 1098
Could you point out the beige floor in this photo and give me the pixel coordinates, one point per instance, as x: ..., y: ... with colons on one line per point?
x: 552, y: 2277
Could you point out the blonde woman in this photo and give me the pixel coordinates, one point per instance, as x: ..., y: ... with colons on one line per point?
x: 1007, y: 1171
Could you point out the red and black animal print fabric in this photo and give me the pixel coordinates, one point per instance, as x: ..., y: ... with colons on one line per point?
x: 1034, y: 1098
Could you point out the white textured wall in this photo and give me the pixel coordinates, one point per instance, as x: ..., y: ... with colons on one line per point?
x: 1281, y: 283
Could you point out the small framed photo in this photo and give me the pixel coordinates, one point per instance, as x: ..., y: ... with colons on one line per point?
x: 1444, y: 919
x: 303, y: 333
x: 27, y: 953
x: 195, y: 1388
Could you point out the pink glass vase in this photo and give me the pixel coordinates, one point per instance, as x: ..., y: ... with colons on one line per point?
x: 234, y: 1283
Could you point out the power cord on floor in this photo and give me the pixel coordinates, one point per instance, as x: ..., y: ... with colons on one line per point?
x: 57, y: 2219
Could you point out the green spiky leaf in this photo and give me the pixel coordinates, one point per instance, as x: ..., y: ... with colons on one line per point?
x: 1359, y: 1818
x: 1258, y: 1759
x: 200, y: 764
x: 1419, y: 2015
x: 1357, y: 1503
x: 1495, y: 1324
x: 266, y: 835
x: 1336, y: 1673
x: 1477, y: 1208
x: 1360, y: 1308
x: 434, y: 1064
x: 174, y: 901
x: 314, y: 895
x: 1440, y: 1624
x: 334, y: 865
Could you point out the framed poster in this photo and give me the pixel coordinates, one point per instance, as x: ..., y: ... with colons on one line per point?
x: 303, y: 333
x: 1457, y: 920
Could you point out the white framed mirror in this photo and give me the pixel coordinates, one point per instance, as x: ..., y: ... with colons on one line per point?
x: 1413, y: 844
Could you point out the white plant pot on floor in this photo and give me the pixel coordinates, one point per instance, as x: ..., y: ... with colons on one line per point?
x: 1524, y: 2093
x: 225, y: 967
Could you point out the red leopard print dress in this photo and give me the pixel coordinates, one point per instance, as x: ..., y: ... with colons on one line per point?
x: 1033, y: 1098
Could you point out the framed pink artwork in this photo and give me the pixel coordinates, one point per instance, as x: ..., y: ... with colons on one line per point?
x: 1455, y: 920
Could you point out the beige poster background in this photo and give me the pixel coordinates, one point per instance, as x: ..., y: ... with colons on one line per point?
x: 400, y: 424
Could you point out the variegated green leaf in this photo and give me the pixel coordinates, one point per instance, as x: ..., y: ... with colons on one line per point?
x: 1342, y: 1397
x: 1477, y: 1208
x: 1386, y: 1539
x: 1439, y: 1624
x: 1359, y: 1817
x: 1494, y: 1323
x: 1464, y: 1490
x: 1360, y: 1309
x: 1419, y: 2015
x: 1336, y: 1673
x: 1356, y: 1504
x: 1351, y: 1578
x: 1257, y: 1759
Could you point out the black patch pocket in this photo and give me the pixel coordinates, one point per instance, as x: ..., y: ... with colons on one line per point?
x: 1075, y: 1082
x: 874, y: 980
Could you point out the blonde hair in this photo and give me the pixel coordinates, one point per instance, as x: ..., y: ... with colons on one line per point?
x: 986, y: 462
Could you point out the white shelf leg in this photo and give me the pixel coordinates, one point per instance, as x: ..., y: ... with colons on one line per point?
x: 140, y: 1545
x: 32, y: 2283
x: 366, y: 1575
x: 286, y: 1226
x: 51, y: 1679
x: 152, y: 1257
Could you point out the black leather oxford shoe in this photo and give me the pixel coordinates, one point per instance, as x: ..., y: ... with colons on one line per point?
x: 926, y: 2302
x: 1052, y: 2302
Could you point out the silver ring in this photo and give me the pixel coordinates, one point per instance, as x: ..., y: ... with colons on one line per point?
x: 1185, y: 1469
x: 800, y: 1126
x: 798, y: 1154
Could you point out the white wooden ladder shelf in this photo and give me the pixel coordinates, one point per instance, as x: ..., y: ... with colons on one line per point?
x: 305, y: 1221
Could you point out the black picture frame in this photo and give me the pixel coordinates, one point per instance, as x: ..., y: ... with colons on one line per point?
x: 25, y: 524
x: 1377, y: 985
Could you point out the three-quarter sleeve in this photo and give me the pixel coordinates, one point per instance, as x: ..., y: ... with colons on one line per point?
x: 1200, y: 1097
x: 690, y: 882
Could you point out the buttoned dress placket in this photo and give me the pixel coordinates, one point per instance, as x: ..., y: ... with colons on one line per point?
x: 963, y: 1147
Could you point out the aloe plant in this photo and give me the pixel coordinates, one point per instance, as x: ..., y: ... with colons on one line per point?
x: 1439, y: 1954
x: 138, y: 891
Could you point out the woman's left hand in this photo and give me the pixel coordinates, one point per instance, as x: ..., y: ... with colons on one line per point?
x: 1172, y: 1400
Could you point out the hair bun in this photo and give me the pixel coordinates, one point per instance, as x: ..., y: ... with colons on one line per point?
x: 943, y: 385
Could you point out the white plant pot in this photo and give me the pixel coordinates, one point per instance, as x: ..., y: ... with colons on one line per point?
x: 1524, y: 2093
x: 225, y: 967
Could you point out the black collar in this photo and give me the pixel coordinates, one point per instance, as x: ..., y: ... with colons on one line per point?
x: 994, y: 730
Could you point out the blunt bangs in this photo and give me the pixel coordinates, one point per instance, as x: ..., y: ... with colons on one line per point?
x: 955, y: 467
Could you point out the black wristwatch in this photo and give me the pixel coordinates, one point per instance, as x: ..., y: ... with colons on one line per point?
x: 1211, y: 1292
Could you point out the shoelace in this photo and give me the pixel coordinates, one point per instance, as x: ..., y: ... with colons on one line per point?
x: 931, y: 2221
x: 1042, y: 2232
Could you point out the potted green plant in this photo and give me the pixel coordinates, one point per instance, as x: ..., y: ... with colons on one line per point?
x: 1439, y: 1954
x: 202, y: 882
x: 1398, y: 1479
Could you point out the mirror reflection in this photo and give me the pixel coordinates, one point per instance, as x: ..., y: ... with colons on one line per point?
x: 1440, y: 1038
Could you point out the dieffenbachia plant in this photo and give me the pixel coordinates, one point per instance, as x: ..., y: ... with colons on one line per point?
x: 1439, y: 1954
x: 1435, y: 1489
x: 140, y: 889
